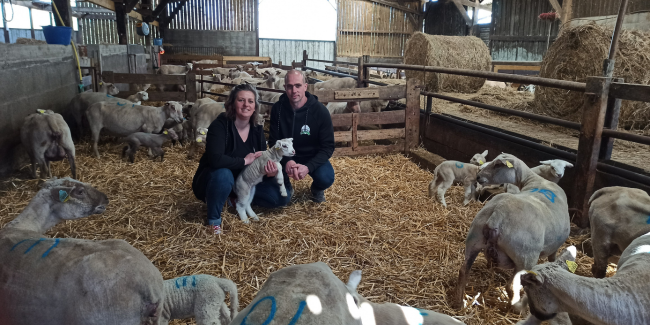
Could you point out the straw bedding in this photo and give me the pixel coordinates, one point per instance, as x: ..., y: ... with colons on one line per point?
x: 577, y: 54
x: 465, y: 52
x: 377, y: 218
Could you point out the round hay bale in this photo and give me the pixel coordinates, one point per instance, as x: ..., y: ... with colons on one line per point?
x: 464, y: 52
x: 577, y: 54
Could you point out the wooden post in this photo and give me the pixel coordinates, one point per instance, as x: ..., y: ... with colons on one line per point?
x: 360, y: 75
x: 65, y: 11
x: 31, y: 23
x: 257, y: 28
x: 611, y: 122
x: 593, y: 119
x: 355, y: 125
x: 5, y: 30
x: 429, y: 105
x: 120, y: 21
x: 366, y: 70
x: 190, y: 86
x: 304, y: 59
x: 412, y: 123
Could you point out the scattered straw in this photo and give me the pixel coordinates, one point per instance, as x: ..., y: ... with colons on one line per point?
x: 466, y: 52
x: 577, y: 54
x: 377, y: 218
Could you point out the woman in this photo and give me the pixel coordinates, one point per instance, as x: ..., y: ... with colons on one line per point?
x: 234, y: 140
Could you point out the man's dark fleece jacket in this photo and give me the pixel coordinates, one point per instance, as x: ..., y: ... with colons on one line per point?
x: 224, y: 149
x: 315, y: 145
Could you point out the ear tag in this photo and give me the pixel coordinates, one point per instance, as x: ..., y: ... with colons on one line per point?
x: 480, y: 162
x: 199, y: 140
x: 101, y: 83
x: 42, y: 111
x: 509, y: 164
x: 573, y: 266
x: 202, y: 132
x: 531, y: 272
x: 63, y: 196
x: 165, y: 132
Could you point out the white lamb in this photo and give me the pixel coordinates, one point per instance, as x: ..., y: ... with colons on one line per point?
x: 138, y: 97
x: 253, y: 174
x: 450, y: 172
x: 550, y: 170
x: 200, y: 296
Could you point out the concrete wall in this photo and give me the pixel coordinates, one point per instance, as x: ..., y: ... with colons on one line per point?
x: 31, y: 77
x: 120, y: 59
x: 235, y: 43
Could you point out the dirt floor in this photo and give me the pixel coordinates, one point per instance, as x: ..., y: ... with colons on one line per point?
x: 378, y: 218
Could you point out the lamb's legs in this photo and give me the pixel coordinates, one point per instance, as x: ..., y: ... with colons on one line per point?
x: 280, y: 179
x: 249, y: 209
x: 470, y: 191
x: 49, y: 169
x: 43, y: 166
x: 242, y: 199
x: 442, y: 189
x: 95, y: 134
x: 34, y: 164
x: 513, y: 288
x: 602, y: 251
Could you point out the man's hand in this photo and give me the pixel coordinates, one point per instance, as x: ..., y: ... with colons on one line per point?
x: 300, y: 171
x: 271, y: 169
x: 288, y: 168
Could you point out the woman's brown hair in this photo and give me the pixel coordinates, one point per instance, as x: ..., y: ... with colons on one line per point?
x: 231, y: 111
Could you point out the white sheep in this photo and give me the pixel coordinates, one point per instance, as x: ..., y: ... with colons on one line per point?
x: 479, y: 159
x: 253, y: 174
x: 617, y: 216
x: 200, y: 296
x: 393, y: 314
x: 450, y: 172
x: 68, y: 280
x: 46, y: 137
x: 515, y: 230
x: 554, y: 291
x: 138, y: 97
x: 551, y: 170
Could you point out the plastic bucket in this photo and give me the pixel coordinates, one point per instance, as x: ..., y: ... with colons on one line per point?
x: 57, y: 34
x: 157, y: 41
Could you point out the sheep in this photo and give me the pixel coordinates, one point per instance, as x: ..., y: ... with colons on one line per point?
x: 138, y: 97
x: 80, y: 103
x: 343, y: 107
x: 46, y: 137
x: 202, y: 114
x: 336, y: 83
x: 553, y: 290
x: 175, y: 69
x: 373, y: 106
x: 184, y: 131
x: 272, y: 80
x: 222, y: 71
x: 239, y: 74
x: 126, y: 119
x: 393, y: 314
x: 551, y: 170
x: 450, y: 172
x: 479, y: 159
x: 617, y: 216
x: 253, y: 174
x: 152, y: 141
x: 72, y: 281
x: 302, y: 294
x: 515, y: 230
x: 200, y: 296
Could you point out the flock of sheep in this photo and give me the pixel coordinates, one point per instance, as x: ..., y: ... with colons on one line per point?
x: 75, y: 281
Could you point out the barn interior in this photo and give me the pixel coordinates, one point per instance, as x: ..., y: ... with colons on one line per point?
x: 538, y: 79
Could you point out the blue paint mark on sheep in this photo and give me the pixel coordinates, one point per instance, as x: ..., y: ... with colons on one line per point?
x: 118, y: 104
x: 295, y: 318
x: 547, y: 193
x: 107, y: 95
x: 271, y: 315
x: 422, y: 312
x: 47, y: 252
x: 459, y: 165
x: 18, y: 243
x: 34, y: 245
x: 194, y: 281
x: 648, y: 221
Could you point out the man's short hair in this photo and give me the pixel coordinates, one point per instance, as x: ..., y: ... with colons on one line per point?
x: 294, y: 71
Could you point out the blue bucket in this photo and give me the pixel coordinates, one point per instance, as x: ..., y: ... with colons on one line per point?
x: 157, y: 41
x: 57, y: 34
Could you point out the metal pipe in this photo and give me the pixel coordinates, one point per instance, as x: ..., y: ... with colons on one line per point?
x: 333, y: 62
x: 332, y: 73
x: 233, y: 85
x: 561, y: 84
x: 626, y: 136
x: 630, y: 175
x: 530, y: 116
x: 370, y: 81
x: 617, y: 30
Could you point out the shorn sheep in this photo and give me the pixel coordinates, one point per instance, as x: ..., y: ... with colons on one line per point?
x: 72, y: 281
x: 617, y: 216
x: 200, y: 296
x: 515, y: 230
x: 554, y: 291
x: 253, y: 174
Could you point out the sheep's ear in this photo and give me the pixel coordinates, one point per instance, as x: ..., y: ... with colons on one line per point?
x: 531, y: 278
x: 503, y: 162
x: 354, y: 280
x: 546, y: 162
x: 568, y: 164
x: 61, y: 194
x: 485, y: 153
x: 569, y: 254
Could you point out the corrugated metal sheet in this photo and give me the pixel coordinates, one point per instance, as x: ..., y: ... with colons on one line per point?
x: 236, y: 15
x: 15, y: 33
x: 291, y: 50
x: 104, y: 30
x: 443, y: 18
x: 370, y: 28
x: 591, y: 8
x: 517, y: 33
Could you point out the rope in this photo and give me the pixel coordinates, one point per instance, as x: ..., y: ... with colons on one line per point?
x: 4, y: 13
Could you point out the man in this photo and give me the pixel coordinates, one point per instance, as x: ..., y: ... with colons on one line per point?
x: 299, y: 115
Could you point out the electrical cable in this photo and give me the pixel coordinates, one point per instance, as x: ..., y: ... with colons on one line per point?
x: 74, y: 48
x: 4, y: 13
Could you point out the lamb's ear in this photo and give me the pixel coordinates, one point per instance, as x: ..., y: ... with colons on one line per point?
x: 485, y: 153
x: 568, y: 164
x: 546, y: 162
x: 503, y: 162
x: 531, y: 278
x: 354, y: 280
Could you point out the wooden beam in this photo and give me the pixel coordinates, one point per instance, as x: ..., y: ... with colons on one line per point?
x: 368, y: 150
x: 396, y: 6
x: 463, y: 12
x: 412, y: 112
x: 630, y: 91
x: 65, y: 11
x: 110, y: 5
x: 173, y: 14
x: 556, y: 7
x: 567, y: 10
x: 130, y: 4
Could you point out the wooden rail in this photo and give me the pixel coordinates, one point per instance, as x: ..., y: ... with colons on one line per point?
x: 189, y: 80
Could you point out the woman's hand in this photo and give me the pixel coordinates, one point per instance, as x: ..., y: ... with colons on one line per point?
x: 251, y: 157
x: 271, y: 169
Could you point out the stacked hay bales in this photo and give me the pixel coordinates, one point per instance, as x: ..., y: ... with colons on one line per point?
x: 577, y: 54
x: 465, y: 52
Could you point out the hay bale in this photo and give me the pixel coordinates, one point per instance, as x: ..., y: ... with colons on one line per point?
x: 29, y: 41
x: 577, y: 54
x: 465, y: 52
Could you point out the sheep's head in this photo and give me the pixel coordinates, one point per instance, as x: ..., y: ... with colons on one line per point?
x: 541, y: 301
x: 286, y: 145
x: 501, y: 170
x: 187, y: 107
x: 189, y: 67
x: 479, y: 159
x: 144, y: 95
x: 171, y: 134
x: 111, y: 89
x: 557, y: 166
x: 174, y: 110
x: 71, y: 199
x: 201, y: 135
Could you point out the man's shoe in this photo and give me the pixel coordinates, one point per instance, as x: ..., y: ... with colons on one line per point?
x: 318, y: 196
